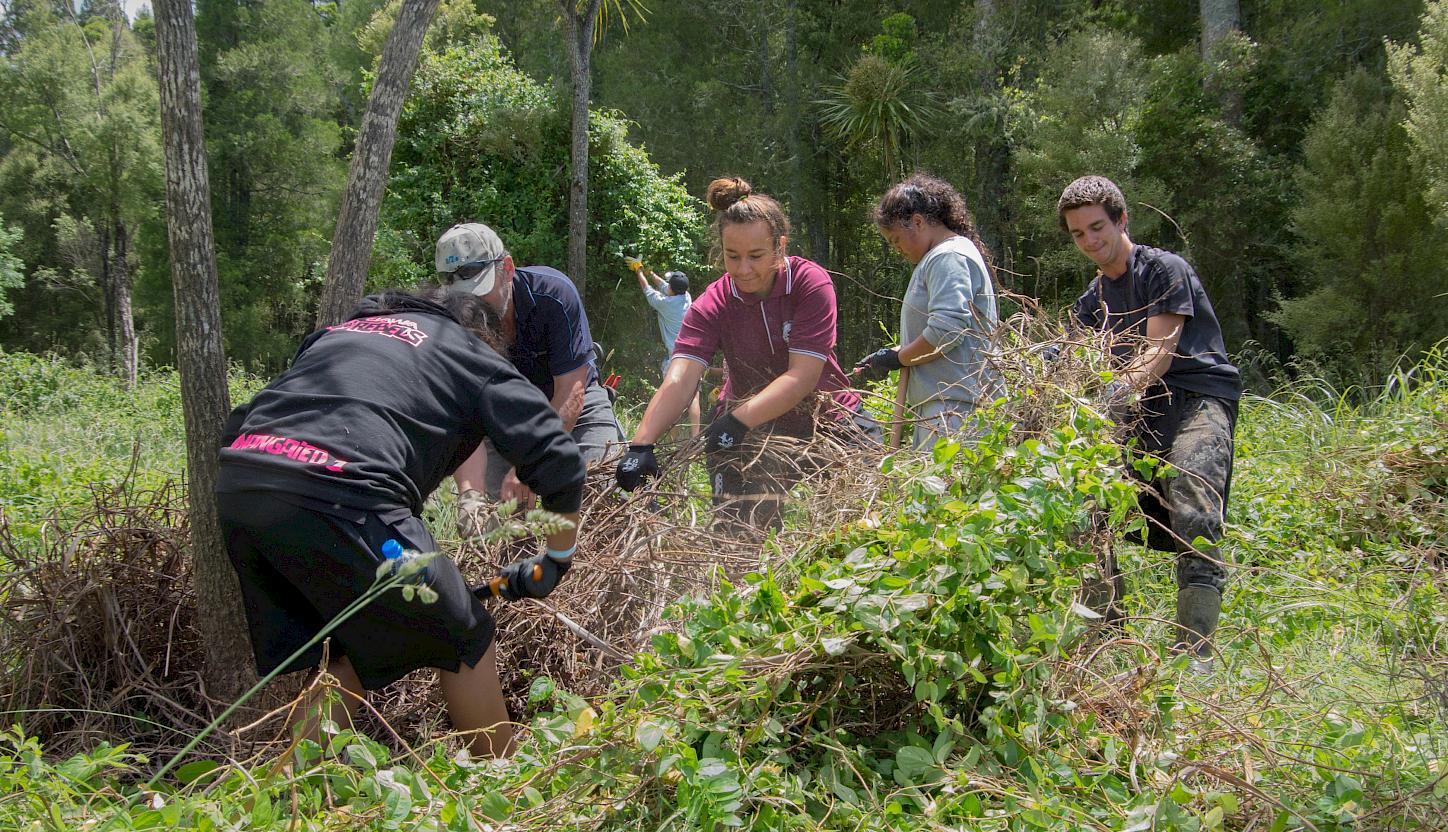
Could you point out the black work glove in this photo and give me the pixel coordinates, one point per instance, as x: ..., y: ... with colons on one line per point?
x: 1051, y: 353
x: 533, y: 577
x: 878, y: 364
x: 725, y: 433
x: 636, y: 466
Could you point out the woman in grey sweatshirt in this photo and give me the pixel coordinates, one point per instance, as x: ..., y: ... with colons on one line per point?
x: 949, y: 311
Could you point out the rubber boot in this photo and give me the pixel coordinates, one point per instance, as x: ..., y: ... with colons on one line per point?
x: 1198, y: 608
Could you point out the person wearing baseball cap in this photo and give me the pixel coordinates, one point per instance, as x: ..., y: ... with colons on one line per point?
x: 545, y: 329
x: 468, y: 255
x: 670, y: 299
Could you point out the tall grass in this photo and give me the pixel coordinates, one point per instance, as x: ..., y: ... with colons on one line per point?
x: 66, y: 429
x: 1329, y: 709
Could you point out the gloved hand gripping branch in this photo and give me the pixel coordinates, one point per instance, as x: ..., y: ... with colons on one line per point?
x: 532, y: 577
x: 724, y: 433
x: 474, y: 514
x: 1118, y: 401
x: 637, y: 465
x: 878, y: 364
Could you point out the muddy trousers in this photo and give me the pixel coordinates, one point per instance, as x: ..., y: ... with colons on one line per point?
x: 751, y: 484
x: 1194, y: 434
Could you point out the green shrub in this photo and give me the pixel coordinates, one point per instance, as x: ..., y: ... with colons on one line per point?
x: 480, y: 141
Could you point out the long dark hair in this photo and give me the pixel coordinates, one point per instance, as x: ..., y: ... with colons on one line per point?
x: 467, y: 310
x: 934, y: 199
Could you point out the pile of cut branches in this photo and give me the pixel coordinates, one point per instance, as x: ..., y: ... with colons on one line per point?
x: 99, y: 639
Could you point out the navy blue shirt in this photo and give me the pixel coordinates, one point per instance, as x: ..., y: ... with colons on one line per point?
x: 553, y: 337
x: 1159, y: 282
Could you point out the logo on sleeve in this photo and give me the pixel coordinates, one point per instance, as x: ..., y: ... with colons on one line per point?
x: 788, y: 327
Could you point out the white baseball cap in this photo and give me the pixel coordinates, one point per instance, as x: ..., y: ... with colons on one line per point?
x: 468, y: 246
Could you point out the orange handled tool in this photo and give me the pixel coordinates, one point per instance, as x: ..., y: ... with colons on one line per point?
x: 498, y: 584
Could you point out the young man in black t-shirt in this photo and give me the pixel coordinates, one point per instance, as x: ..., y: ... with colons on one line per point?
x: 1174, y: 362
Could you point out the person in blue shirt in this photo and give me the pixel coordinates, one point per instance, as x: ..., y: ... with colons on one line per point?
x: 669, y: 296
x: 545, y: 330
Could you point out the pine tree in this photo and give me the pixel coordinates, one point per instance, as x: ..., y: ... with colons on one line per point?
x: 272, y: 142
x: 1375, y: 265
x: 1419, y: 75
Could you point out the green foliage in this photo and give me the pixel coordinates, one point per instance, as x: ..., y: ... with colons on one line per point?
x: 880, y: 107
x: 1378, y: 474
x: 480, y: 141
x: 11, y: 276
x: 1007, y: 101
x: 1082, y: 116
x: 1225, y: 208
x: 896, y: 40
x: 1375, y: 266
x: 455, y: 23
x: 273, y: 150
x: 1304, y: 47
x: 1418, y: 74
x: 79, y: 168
x: 66, y: 430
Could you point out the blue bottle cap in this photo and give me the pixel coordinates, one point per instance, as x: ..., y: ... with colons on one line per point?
x: 392, y: 549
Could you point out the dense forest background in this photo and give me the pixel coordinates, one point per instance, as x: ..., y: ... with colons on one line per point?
x: 1293, y: 150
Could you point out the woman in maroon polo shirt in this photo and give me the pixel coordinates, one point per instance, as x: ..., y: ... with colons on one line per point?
x: 773, y: 316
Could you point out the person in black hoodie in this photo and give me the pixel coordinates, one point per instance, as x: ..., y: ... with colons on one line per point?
x: 323, y: 477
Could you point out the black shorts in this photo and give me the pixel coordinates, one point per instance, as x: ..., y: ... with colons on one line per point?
x: 301, y: 564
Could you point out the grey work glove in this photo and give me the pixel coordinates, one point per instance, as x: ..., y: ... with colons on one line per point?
x: 475, y: 515
x: 1118, y: 401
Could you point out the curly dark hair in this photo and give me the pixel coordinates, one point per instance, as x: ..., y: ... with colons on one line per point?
x: 934, y: 199
x: 735, y: 203
x: 1091, y: 190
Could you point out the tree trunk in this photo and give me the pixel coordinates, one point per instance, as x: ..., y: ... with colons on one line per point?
x: 992, y: 158
x: 199, y: 354
x: 580, y: 47
x: 1220, y: 18
x: 108, y: 296
x: 367, y: 180
x: 128, y: 352
x: 800, y: 203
